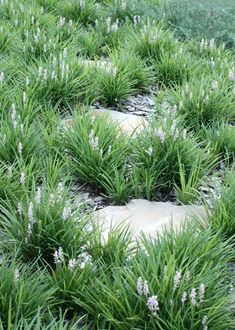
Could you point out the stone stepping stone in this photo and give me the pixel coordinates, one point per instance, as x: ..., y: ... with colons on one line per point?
x: 147, y: 217
x: 130, y: 124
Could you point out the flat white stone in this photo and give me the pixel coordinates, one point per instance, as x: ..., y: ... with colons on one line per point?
x: 147, y: 217
x: 128, y: 123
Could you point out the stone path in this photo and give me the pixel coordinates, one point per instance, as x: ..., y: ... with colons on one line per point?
x: 129, y: 123
x: 147, y: 217
x: 138, y: 104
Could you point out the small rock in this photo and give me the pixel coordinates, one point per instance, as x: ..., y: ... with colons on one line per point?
x: 99, y: 199
x: 82, y: 198
x: 130, y: 108
x: 151, y: 102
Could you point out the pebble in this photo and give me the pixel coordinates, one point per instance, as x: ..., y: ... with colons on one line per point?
x: 87, y: 197
x: 211, y: 187
x: 140, y: 104
x: 99, y: 199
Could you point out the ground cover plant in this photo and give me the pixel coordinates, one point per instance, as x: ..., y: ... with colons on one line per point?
x: 198, y: 19
x: 61, y: 62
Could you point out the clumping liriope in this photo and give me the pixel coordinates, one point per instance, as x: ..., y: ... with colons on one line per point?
x: 62, y: 63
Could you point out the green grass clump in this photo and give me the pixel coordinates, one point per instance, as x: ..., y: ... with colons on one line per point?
x: 200, y: 102
x: 174, y: 69
x: 13, y: 185
x: 150, y: 41
x: 5, y: 40
x: 48, y: 4
x: 96, y: 152
x: 82, y: 11
x: 222, y: 218
x: 18, y: 139
x: 23, y: 292
x: 71, y: 279
x: 138, y: 71
x: 200, y: 19
x: 114, y: 85
x: 90, y: 43
x: 168, y: 276
x: 60, y: 82
x: 163, y: 156
x: 221, y: 137
x: 44, y: 224
x: 47, y: 321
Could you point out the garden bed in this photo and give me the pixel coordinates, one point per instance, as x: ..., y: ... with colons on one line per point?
x: 104, y: 109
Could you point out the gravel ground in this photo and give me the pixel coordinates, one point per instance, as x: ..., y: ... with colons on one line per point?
x: 139, y: 104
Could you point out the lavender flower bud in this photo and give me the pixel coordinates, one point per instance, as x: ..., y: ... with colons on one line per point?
x: 59, y: 256
x: 153, y: 304
x: 193, y: 296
